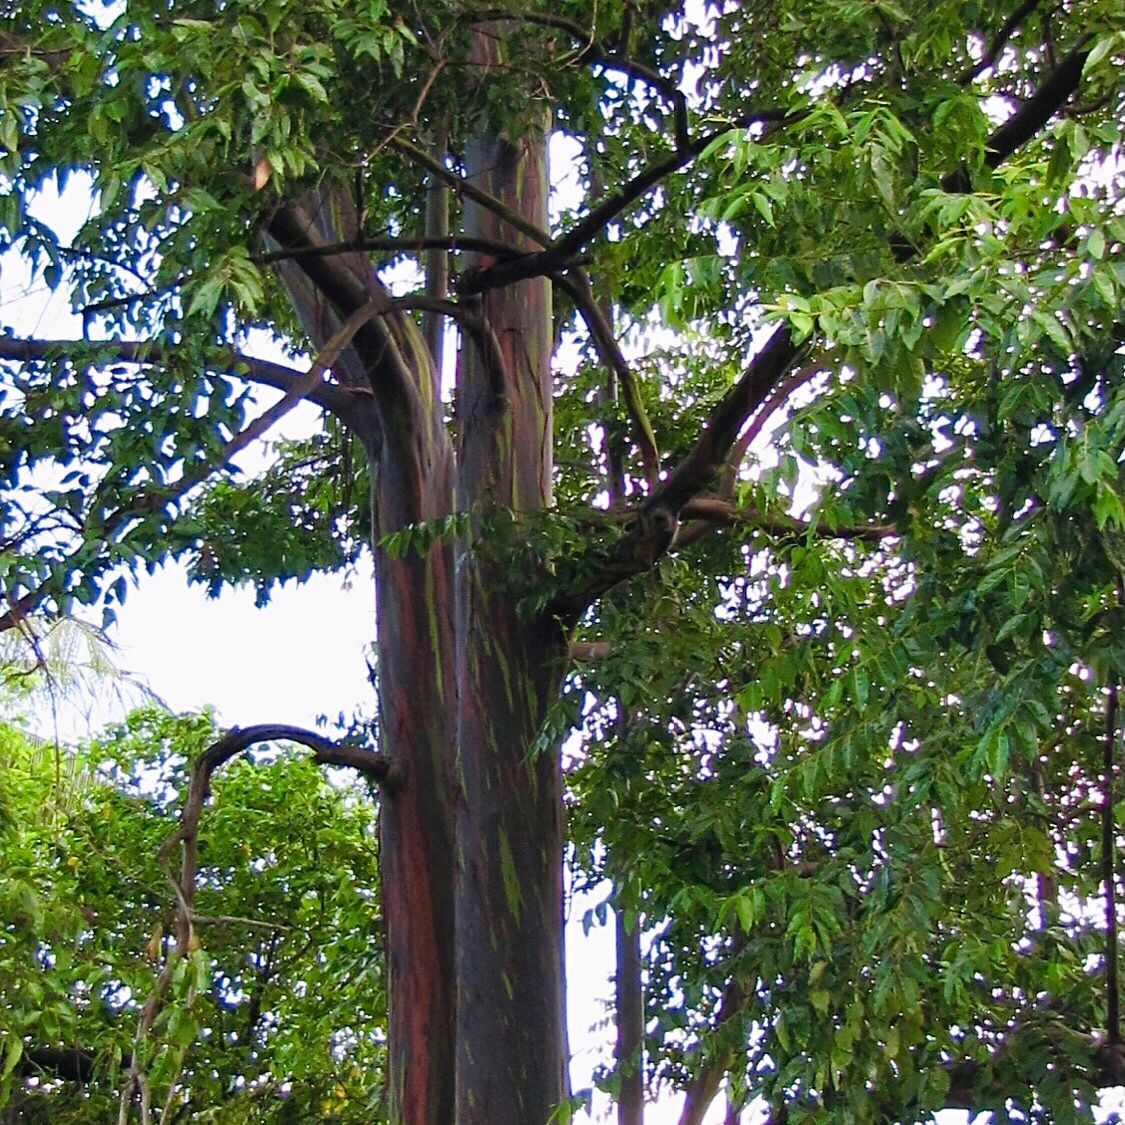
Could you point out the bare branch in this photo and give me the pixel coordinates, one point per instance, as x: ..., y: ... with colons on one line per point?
x: 557, y: 256
x: 777, y: 398
x: 344, y: 284
x: 654, y: 527
x: 234, y: 742
x: 407, y: 244
x: 330, y: 353
x: 714, y: 444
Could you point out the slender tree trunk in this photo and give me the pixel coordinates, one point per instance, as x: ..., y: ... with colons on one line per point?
x: 630, y: 1023
x: 511, y: 1064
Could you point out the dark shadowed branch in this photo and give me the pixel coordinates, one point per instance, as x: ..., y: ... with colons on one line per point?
x: 1010, y: 26
x: 344, y: 403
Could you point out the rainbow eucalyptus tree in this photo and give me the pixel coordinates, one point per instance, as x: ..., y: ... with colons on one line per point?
x: 548, y: 381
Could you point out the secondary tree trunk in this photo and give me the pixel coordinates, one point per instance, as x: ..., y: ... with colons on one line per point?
x: 417, y: 697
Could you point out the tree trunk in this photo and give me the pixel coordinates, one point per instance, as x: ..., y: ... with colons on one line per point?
x: 511, y: 1064
x: 629, y: 1051
x: 417, y: 693
x: 471, y: 837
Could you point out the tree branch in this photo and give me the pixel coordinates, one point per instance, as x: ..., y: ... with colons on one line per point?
x: 1047, y: 100
x: 320, y: 284
x: 723, y: 513
x: 407, y: 244
x: 578, y: 288
x: 435, y: 263
x: 558, y: 256
x: 234, y: 742
x: 1009, y: 28
x: 475, y: 326
x: 462, y: 186
x: 340, y: 401
x: 648, y: 538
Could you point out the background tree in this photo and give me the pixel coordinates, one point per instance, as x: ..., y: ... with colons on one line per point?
x: 918, y: 208
x: 284, y: 1013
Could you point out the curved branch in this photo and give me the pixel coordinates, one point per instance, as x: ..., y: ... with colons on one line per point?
x: 388, y: 352
x: 325, y: 361
x: 714, y: 444
x: 777, y: 398
x: 475, y: 327
x: 578, y: 288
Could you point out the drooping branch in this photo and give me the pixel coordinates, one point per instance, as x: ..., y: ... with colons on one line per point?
x: 578, y: 288
x: 475, y: 327
x: 147, y: 500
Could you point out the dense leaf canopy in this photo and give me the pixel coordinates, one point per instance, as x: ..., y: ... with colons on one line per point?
x: 846, y: 750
